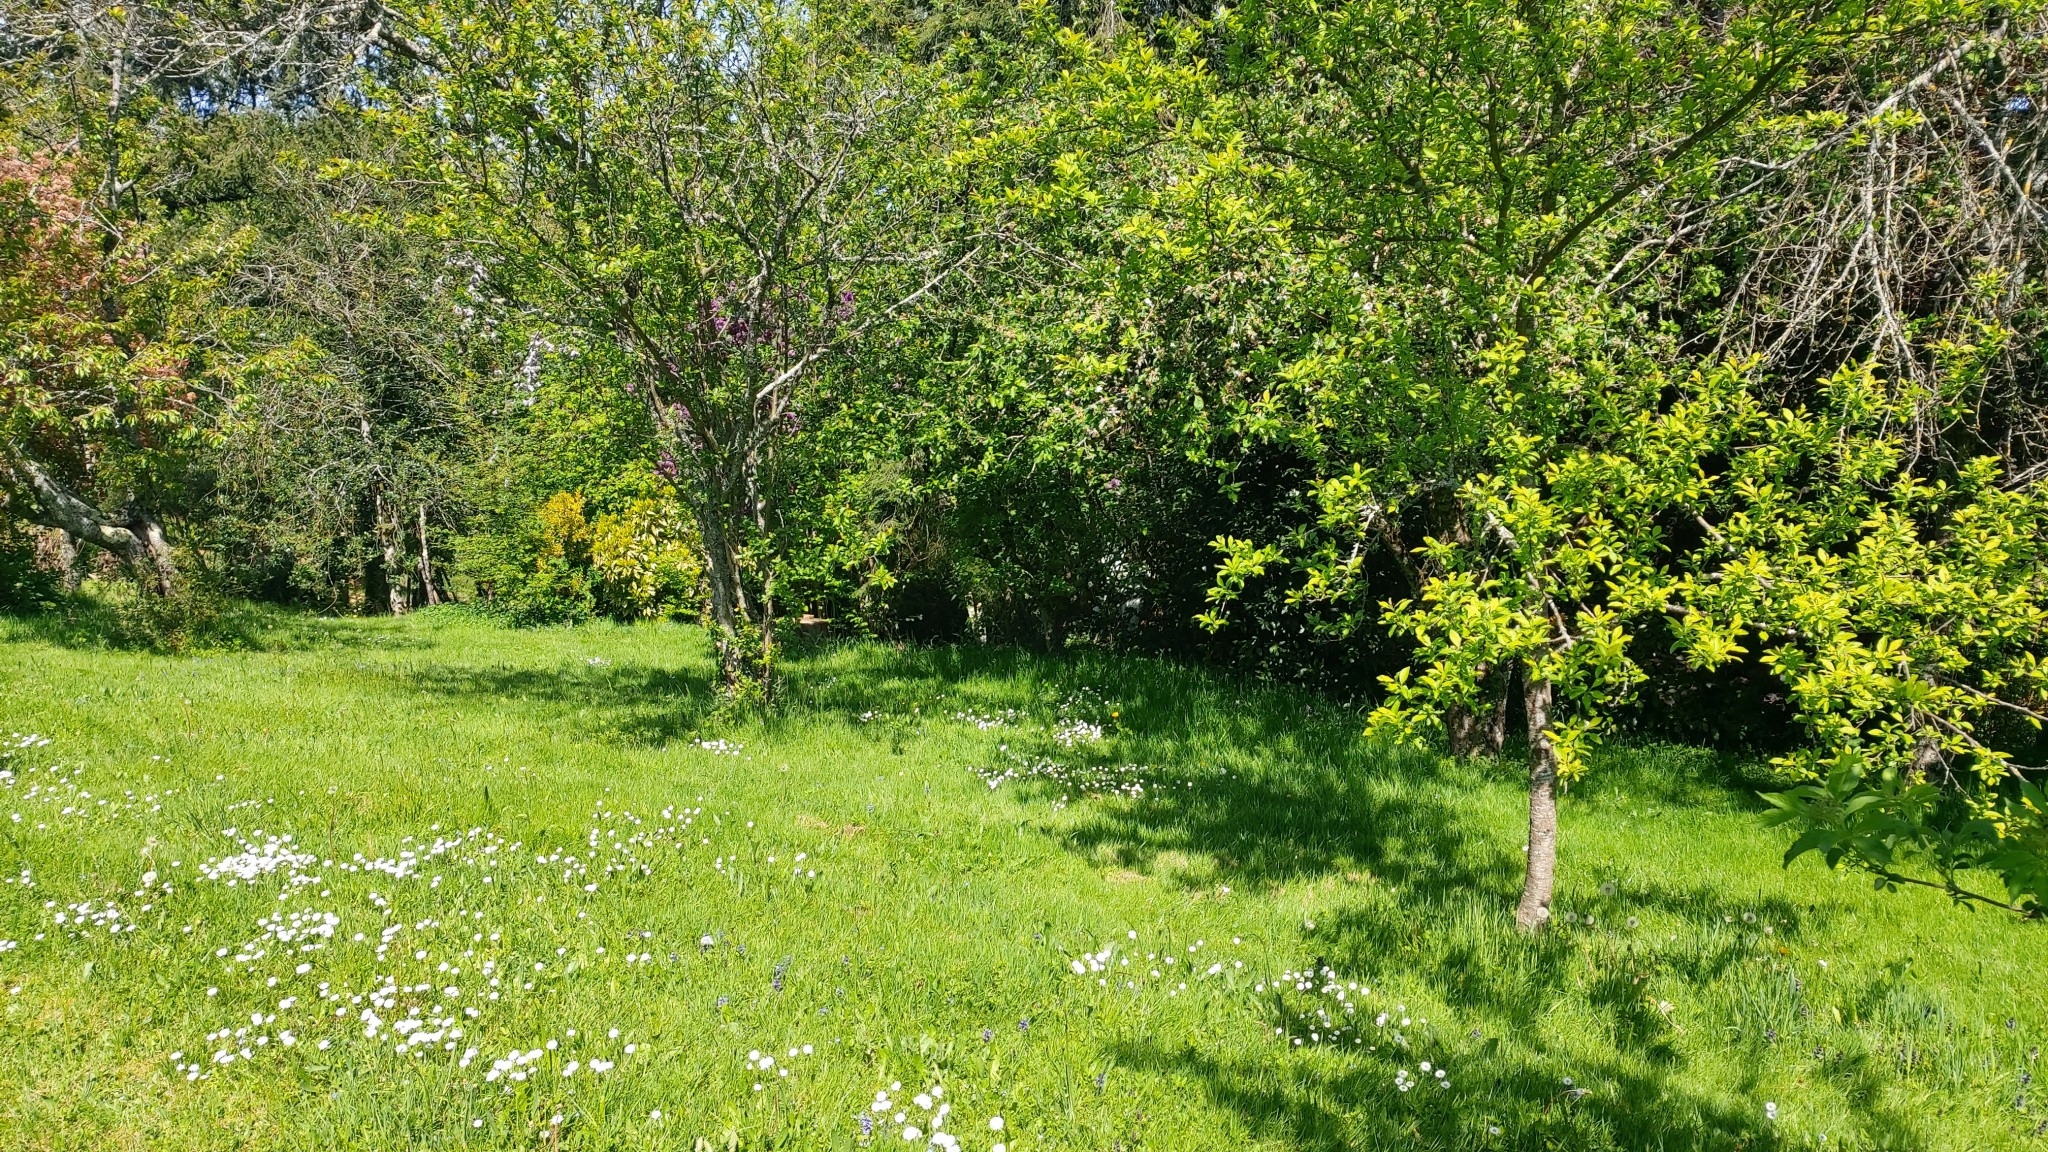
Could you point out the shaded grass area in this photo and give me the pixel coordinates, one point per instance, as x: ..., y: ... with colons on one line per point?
x: 1140, y: 810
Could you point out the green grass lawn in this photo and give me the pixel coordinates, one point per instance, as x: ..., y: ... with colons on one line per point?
x: 429, y: 883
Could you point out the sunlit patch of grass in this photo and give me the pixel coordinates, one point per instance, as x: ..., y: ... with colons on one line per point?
x: 1106, y: 901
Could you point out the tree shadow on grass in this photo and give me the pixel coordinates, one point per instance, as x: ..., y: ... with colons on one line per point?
x: 1499, y: 1097
x: 635, y: 706
x: 1259, y: 788
x: 653, y: 705
x: 96, y: 621
x: 1299, y: 822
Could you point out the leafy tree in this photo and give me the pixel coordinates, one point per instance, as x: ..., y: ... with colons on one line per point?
x: 1382, y: 236
x: 1899, y: 610
x: 341, y: 457
x: 733, y: 195
x: 117, y: 347
x: 77, y: 362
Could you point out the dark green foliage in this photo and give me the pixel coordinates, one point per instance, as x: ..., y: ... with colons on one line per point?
x: 25, y: 584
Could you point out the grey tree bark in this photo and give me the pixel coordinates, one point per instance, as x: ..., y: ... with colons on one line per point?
x: 721, y: 572
x: 69, y: 556
x: 134, y: 535
x: 388, y: 541
x: 427, y: 563
x: 1540, y: 875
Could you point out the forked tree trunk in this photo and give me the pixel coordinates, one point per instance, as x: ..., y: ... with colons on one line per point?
x: 743, y: 630
x: 728, y: 597
x: 1541, y: 870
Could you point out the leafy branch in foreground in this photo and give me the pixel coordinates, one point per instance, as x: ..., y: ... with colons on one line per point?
x: 1907, y: 616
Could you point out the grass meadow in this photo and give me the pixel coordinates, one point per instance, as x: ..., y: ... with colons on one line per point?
x: 429, y: 883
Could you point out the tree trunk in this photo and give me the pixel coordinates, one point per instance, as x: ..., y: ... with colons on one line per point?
x: 156, y: 552
x: 68, y: 555
x: 134, y: 535
x: 1483, y: 730
x: 757, y: 499
x: 388, y: 540
x: 728, y: 598
x: 1541, y: 873
x: 427, y: 563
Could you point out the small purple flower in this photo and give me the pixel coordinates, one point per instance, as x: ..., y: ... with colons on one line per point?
x: 667, y: 466
x: 1113, y: 484
x: 867, y: 1125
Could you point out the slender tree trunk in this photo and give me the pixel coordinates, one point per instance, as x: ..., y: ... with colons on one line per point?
x: 757, y: 499
x: 388, y: 533
x: 427, y: 563
x: 1541, y: 874
x: 768, y: 637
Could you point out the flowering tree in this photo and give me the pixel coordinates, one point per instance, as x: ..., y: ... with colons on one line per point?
x: 736, y: 195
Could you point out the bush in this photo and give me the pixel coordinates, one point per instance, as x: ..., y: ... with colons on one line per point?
x: 517, y: 582
x: 195, y: 615
x: 26, y: 585
x: 557, y: 566
x: 647, y: 561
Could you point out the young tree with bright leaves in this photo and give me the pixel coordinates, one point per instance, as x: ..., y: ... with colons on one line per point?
x: 1527, y: 206
x: 1559, y: 558
x: 736, y: 195
x: 1423, y: 206
x: 1903, y: 609
x: 1474, y: 172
